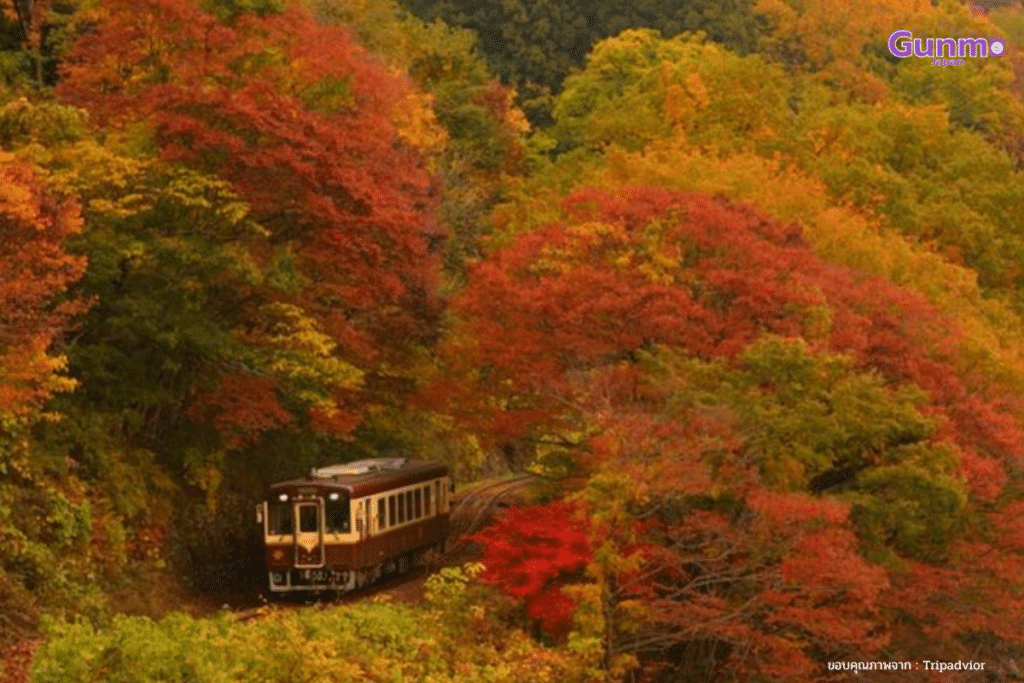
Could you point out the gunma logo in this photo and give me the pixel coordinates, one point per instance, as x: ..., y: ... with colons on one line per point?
x: 945, y: 51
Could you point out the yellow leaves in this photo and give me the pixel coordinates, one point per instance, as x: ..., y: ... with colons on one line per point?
x: 119, y: 207
x: 831, y: 39
x: 595, y: 229
x: 696, y: 89
x: 82, y: 165
x: 293, y: 330
x: 304, y: 352
x: 682, y: 100
x: 28, y: 375
x: 560, y: 259
x: 515, y: 118
x: 417, y: 125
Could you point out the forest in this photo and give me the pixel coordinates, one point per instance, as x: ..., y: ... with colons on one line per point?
x: 740, y: 286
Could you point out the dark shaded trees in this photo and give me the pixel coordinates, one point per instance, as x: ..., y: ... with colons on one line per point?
x: 534, y: 46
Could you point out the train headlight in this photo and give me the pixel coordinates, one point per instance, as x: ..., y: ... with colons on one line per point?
x: 333, y: 496
x: 283, y: 497
x: 277, y: 578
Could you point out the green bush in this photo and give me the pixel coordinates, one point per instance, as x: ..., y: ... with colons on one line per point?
x: 452, y: 637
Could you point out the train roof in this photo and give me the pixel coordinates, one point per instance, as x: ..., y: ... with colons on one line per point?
x: 365, y: 477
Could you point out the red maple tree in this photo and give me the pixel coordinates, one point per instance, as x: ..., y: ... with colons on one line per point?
x: 530, y: 558
x: 555, y: 323
x: 301, y: 121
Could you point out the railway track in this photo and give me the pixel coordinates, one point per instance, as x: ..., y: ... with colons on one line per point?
x: 474, y: 508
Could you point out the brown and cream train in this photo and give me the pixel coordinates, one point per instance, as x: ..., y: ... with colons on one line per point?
x: 344, y: 526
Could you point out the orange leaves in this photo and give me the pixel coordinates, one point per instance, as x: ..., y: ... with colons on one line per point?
x: 34, y: 266
x: 784, y: 510
x: 630, y: 270
x: 34, y: 270
x: 777, y: 584
x: 570, y: 328
x: 243, y: 407
x: 301, y: 122
x: 985, y: 477
x: 664, y: 457
x: 140, y: 43
x: 336, y: 422
x: 549, y: 316
x: 834, y: 40
x: 681, y: 101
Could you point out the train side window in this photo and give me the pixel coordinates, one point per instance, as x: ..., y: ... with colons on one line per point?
x: 382, y: 520
x: 408, y: 505
x: 418, y: 499
x: 338, y: 515
x: 437, y: 496
x: 426, y: 500
x: 281, y: 519
x: 369, y: 517
x: 393, y: 516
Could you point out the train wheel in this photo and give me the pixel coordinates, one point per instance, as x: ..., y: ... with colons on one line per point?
x: 403, y: 564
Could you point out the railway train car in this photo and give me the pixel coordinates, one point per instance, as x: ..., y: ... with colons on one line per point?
x: 344, y: 526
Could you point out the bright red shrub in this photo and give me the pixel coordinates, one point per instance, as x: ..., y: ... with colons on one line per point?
x: 530, y: 553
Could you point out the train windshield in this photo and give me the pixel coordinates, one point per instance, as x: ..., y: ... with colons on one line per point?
x: 280, y: 519
x: 338, y: 514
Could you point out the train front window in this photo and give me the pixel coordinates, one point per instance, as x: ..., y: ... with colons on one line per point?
x: 338, y: 515
x: 307, y: 518
x: 280, y: 519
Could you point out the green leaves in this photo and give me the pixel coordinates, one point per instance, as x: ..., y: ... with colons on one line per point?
x: 535, y: 45
x: 820, y: 412
x: 915, y: 510
x: 810, y: 422
x: 368, y: 641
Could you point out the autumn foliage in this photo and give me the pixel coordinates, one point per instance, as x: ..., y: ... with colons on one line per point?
x: 310, y: 130
x: 753, y: 316
x: 641, y: 267
x: 35, y: 269
x: 713, y: 377
x: 528, y: 557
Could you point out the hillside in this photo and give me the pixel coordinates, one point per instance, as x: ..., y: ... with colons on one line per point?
x: 739, y: 284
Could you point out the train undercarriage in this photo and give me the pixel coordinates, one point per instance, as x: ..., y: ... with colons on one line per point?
x: 333, y: 579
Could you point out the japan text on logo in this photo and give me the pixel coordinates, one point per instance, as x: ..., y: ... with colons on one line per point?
x: 945, y: 51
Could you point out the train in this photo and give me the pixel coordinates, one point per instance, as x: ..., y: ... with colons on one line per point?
x: 344, y: 526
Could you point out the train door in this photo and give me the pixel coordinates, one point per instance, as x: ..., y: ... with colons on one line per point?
x: 309, y: 538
